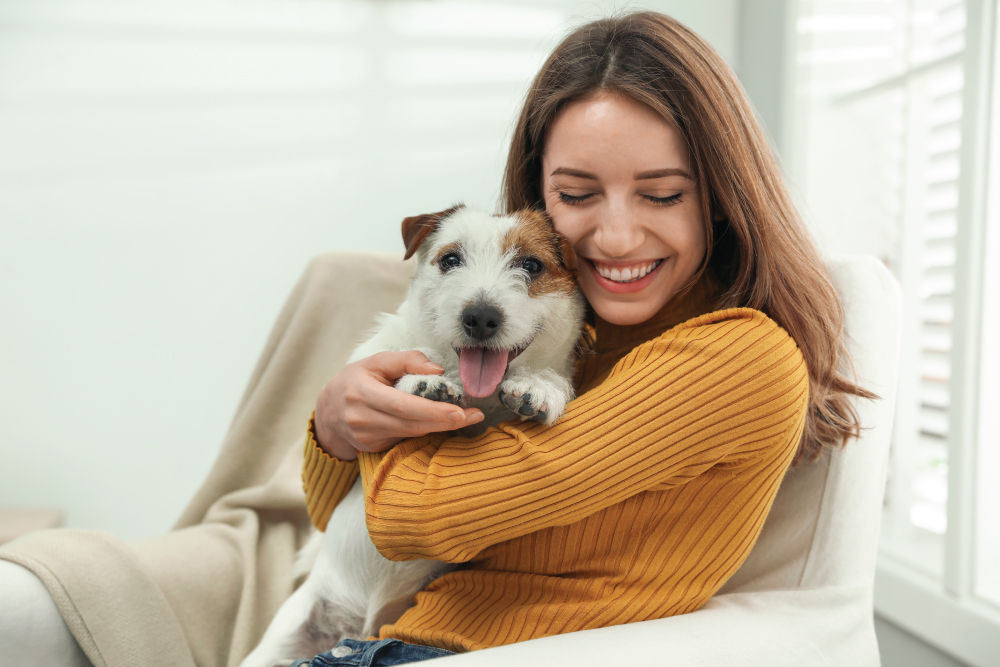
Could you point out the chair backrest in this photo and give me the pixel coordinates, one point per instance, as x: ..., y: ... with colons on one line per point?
x: 823, y: 528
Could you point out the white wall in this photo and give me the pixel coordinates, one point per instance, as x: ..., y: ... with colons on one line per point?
x: 167, y: 167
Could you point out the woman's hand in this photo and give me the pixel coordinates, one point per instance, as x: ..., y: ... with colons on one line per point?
x: 359, y: 409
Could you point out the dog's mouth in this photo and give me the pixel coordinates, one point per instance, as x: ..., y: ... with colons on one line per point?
x: 482, y: 369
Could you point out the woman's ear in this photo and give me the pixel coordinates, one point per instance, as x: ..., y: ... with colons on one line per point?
x: 416, y: 228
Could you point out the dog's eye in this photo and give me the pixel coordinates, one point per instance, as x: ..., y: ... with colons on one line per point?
x: 532, y: 265
x: 450, y: 261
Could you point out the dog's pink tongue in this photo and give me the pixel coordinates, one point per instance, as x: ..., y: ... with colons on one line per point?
x: 481, y: 370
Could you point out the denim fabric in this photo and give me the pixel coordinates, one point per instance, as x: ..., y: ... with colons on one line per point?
x: 375, y: 653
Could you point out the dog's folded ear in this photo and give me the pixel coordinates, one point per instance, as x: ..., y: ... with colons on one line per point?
x: 566, y: 253
x: 416, y: 228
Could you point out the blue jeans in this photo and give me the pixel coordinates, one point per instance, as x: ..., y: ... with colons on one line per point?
x: 375, y: 653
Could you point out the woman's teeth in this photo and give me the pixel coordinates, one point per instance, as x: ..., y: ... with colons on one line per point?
x: 626, y: 274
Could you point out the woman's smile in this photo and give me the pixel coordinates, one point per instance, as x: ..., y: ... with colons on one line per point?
x: 624, y: 277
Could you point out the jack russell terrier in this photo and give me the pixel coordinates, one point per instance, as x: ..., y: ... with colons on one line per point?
x: 495, y: 303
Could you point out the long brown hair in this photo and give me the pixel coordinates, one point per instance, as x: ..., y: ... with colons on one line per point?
x: 759, y: 249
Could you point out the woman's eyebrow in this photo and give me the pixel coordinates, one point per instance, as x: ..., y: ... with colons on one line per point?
x: 661, y: 173
x: 569, y: 171
x: 641, y: 176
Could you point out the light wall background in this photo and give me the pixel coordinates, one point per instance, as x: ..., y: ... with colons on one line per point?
x: 168, y: 167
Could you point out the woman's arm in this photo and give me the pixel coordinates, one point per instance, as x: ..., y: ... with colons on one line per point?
x: 360, y: 410
x: 723, y: 387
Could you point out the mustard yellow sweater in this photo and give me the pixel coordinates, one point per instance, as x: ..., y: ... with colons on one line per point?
x: 639, y: 503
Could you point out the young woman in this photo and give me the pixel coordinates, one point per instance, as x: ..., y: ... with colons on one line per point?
x: 716, y: 364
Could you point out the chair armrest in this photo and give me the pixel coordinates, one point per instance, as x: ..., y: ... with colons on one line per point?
x: 829, y: 626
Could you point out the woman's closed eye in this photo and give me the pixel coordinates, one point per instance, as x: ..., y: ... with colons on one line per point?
x: 567, y: 198
x: 664, y: 201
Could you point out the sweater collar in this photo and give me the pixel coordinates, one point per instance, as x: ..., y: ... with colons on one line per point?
x: 701, y: 298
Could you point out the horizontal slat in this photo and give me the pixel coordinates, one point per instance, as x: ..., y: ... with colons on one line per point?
x: 945, y: 142
x: 71, y: 65
x: 937, y: 313
x: 853, y: 24
x: 66, y: 67
x: 942, y: 244
x: 287, y: 19
x: 940, y: 202
x: 945, y: 112
x: 845, y: 56
x: 935, y: 367
x: 936, y: 341
x: 428, y: 66
x: 942, y: 171
x: 233, y: 16
x: 938, y: 257
x: 941, y: 226
x: 509, y: 20
x: 934, y: 395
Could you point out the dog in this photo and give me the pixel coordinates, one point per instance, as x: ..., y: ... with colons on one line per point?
x: 494, y: 302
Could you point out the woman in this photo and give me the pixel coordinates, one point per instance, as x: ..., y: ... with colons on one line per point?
x: 716, y: 347
x: 717, y: 340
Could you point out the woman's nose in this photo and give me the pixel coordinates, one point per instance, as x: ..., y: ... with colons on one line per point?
x: 619, y: 233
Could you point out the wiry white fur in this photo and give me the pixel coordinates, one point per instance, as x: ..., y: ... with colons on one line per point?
x: 351, y: 589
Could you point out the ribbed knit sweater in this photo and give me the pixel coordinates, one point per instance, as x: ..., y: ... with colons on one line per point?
x: 639, y: 503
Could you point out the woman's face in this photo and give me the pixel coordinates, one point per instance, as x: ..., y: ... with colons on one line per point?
x: 618, y: 184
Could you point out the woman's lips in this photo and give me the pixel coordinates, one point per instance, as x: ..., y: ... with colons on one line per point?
x: 619, y: 287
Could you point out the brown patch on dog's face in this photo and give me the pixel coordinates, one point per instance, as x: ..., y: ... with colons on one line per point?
x: 535, y: 237
x: 416, y: 228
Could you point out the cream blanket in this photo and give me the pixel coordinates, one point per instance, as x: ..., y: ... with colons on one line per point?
x: 204, y: 593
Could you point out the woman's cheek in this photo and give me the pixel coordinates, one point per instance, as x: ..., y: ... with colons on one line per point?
x: 567, y: 222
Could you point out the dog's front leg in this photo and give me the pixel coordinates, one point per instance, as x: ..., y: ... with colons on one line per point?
x: 540, y: 395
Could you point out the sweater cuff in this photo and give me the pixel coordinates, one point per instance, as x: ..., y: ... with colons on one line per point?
x: 325, y: 478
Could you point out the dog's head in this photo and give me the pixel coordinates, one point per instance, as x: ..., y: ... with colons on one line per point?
x: 490, y: 285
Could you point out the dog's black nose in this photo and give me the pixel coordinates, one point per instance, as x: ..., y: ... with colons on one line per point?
x: 481, y: 321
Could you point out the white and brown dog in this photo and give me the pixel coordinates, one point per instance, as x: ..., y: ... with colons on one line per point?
x: 494, y: 302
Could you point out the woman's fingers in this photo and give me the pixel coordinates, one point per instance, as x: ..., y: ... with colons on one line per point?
x: 360, y: 408
x: 416, y: 412
x: 410, y: 428
x: 393, y: 365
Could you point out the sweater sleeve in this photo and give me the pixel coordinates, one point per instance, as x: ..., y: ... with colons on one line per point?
x: 729, y: 386
x: 325, y: 479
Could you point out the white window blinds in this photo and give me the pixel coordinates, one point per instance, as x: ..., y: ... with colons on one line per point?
x: 881, y: 91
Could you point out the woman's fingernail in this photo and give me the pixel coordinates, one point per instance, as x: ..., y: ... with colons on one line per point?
x: 476, y: 417
x: 436, y: 367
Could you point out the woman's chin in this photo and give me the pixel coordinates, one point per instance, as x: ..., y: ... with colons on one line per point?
x: 623, y: 314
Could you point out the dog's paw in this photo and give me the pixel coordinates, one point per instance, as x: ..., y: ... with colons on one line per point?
x: 535, y: 399
x: 434, y: 387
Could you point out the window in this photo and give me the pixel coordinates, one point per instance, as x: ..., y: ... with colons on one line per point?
x: 892, y: 96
